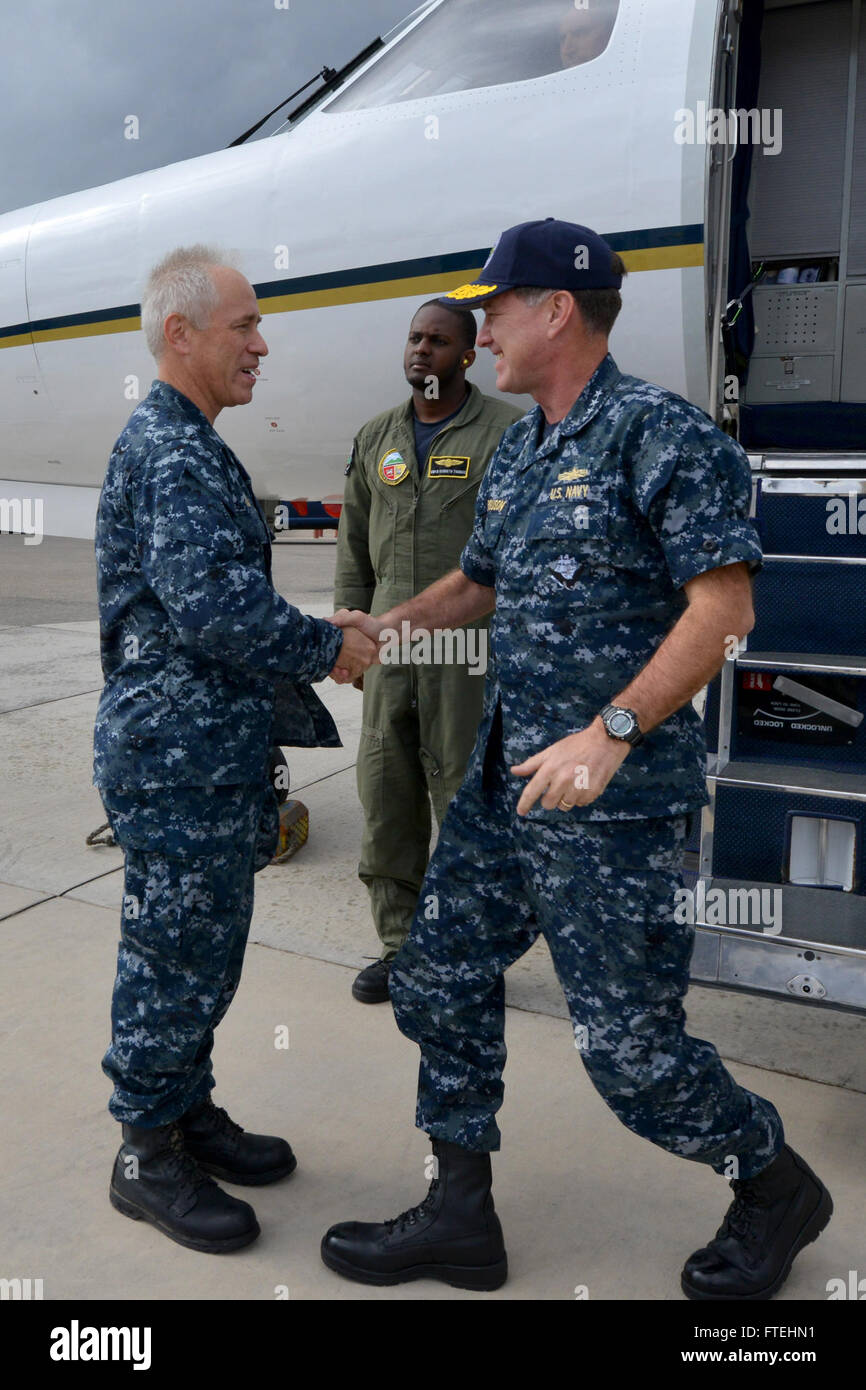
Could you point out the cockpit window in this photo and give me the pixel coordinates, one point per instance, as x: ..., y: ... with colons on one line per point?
x: 465, y: 44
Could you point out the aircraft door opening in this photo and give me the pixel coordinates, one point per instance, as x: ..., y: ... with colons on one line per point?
x: 781, y: 866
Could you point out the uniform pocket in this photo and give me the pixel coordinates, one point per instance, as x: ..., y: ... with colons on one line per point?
x: 456, y: 518
x: 493, y: 523
x: 644, y: 860
x: 581, y: 522
x: 371, y: 770
x: 382, y: 535
x: 567, y: 546
x: 175, y: 909
x: 435, y: 783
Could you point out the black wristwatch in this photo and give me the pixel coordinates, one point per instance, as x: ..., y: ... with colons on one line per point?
x: 622, y: 724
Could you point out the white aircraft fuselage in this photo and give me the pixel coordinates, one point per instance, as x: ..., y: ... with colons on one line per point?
x: 345, y: 224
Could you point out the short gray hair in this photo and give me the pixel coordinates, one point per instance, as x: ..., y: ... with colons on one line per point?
x: 181, y: 284
x: 599, y: 309
x: 532, y: 295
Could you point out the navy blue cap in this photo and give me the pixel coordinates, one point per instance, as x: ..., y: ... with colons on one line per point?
x: 548, y: 254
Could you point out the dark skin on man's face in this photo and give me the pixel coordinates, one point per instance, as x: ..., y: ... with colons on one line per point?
x: 436, y: 348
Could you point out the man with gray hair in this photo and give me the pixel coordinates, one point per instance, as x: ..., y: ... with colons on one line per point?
x: 205, y: 666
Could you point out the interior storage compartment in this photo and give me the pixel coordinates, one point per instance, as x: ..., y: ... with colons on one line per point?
x: 801, y: 336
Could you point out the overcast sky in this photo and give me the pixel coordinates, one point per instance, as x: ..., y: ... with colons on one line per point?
x: 196, y: 73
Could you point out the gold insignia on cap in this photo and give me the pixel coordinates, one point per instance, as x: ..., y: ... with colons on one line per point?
x: 470, y: 291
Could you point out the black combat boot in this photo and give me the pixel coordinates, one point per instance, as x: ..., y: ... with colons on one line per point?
x: 771, y: 1218
x: 221, y: 1147
x: 155, y: 1180
x: 372, y: 986
x: 453, y: 1235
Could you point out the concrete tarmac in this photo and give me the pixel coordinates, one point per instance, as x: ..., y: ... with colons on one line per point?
x: 585, y: 1205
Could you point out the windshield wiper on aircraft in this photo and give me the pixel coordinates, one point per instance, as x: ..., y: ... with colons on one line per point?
x: 331, y: 78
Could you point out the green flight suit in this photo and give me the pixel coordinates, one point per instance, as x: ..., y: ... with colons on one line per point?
x: 419, y: 721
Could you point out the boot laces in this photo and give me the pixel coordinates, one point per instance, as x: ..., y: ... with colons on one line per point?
x: 223, y: 1122
x: 414, y: 1214
x: 182, y: 1166
x: 744, y: 1215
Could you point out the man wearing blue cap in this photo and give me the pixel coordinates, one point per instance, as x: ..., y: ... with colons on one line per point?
x: 612, y: 537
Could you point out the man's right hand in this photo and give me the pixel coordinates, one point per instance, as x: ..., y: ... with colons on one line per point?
x: 357, y: 653
x: 356, y: 617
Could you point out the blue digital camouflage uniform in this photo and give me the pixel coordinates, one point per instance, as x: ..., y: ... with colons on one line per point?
x: 587, y: 540
x: 205, y: 667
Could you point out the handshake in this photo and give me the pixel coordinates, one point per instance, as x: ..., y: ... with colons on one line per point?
x: 360, y: 647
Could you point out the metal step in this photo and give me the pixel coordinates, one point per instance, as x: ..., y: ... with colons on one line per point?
x: 813, y: 918
x: 811, y: 487
x: 834, y: 665
x: 790, y: 778
x: 771, y: 461
x: 817, y: 957
x: 774, y: 559
x: 832, y: 979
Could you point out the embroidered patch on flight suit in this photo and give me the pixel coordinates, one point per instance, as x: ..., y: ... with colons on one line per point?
x: 448, y: 466
x: 392, y: 468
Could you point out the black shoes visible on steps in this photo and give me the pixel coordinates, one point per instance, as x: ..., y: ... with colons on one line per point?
x: 772, y: 1217
x: 453, y: 1235
x: 371, y: 986
x: 161, y: 1175
x: 155, y: 1180
x: 225, y: 1150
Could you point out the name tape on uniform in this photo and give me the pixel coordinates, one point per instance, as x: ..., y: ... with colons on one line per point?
x: 569, y: 492
x: 448, y: 466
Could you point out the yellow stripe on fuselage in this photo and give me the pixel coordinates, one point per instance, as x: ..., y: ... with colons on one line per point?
x: 88, y: 330
x: 665, y: 257
x: 361, y: 294
x: 652, y: 258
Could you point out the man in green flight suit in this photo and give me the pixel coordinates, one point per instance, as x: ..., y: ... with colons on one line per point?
x: 408, y: 510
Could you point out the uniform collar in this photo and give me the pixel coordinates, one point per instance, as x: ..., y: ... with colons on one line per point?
x: 470, y: 409
x: 587, y: 405
x: 175, y: 402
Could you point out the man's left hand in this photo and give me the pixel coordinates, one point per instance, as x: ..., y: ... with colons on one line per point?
x: 574, y: 771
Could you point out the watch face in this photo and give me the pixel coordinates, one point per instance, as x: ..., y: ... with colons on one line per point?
x: 620, y: 724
